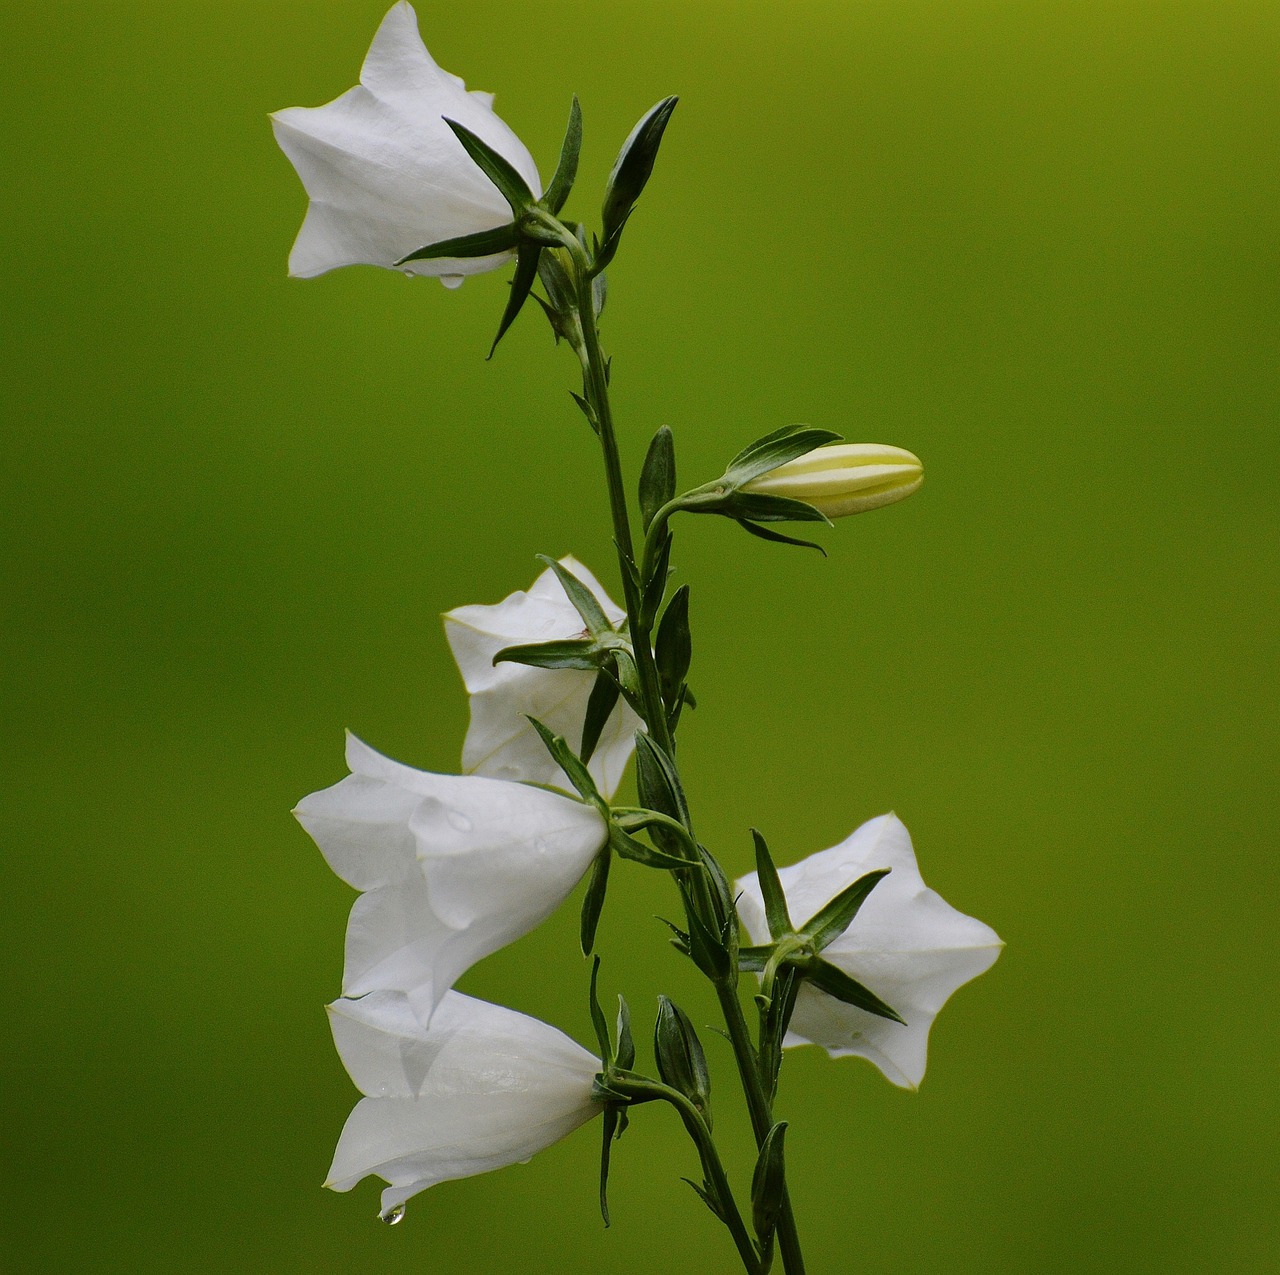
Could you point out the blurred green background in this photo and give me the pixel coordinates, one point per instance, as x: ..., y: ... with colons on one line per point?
x: 1035, y: 241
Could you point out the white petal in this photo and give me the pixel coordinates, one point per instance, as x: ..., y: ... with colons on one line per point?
x: 452, y: 868
x: 481, y: 1088
x: 907, y: 944
x: 384, y: 172
x: 500, y: 741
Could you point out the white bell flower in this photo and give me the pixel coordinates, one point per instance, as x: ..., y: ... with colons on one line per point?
x: 906, y: 944
x: 480, y: 1088
x: 384, y: 173
x: 500, y: 741
x: 452, y: 868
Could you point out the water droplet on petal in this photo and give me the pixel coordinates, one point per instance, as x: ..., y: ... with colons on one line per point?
x: 393, y: 1217
x: 408, y: 273
x: 459, y: 821
x: 452, y: 280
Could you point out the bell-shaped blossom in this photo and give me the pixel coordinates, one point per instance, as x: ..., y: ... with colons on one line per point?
x: 500, y: 741
x: 451, y: 868
x: 480, y: 1088
x: 844, y: 478
x: 906, y: 944
x: 384, y: 172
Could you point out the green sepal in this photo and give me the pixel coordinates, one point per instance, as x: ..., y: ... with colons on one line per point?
x: 680, y: 938
x: 835, y: 982
x: 767, y: 453
x: 625, y: 1056
x: 768, y: 1183
x: 628, y: 847
x: 521, y: 285
x: 483, y: 243
x: 724, y: 897
x: 758, y: 507
x: 707, y: 950
x: 778, y: 538
x: 655, y: 587
x: 672, y: 648
x: 593, y: 900
x: 585, y: 603
x: 600, y: 705
x: 662, y: 784
x: 575, y: 653
x: 631, y: 172
x: 775, y: 899
x: 611, y: 1130
x: 577, y: 774
x: 513, y: 188
x: 599, y: 296
x: 587, y: 410
x: 831, y: 920
x: 628, y: 679
x: 681, y: 1062
x: 597, y: 1017
x: 752, y: 960
x: 567, y: 168
x: 658, y: 475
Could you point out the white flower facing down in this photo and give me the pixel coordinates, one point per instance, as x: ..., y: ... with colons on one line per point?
x: 500, y: 741
x: 480, y: 1088
x: 385, y: 174
x: 907, y: 944
x: 452, y: 868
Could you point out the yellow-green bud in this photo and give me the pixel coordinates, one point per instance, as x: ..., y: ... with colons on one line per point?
x: 844, y: 478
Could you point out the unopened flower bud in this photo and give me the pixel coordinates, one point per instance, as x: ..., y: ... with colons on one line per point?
x: 844, y: 478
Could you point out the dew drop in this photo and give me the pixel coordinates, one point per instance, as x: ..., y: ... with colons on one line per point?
x: 409, y: 274
x: 393, y: 1217
x: 452, y: 280
x: 459, y: 821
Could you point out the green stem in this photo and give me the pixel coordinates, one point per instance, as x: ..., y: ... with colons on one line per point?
x: 712, y: 1167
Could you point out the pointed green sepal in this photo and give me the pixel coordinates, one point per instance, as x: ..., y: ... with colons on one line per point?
x: 513, y: 188
x: 600, y: 705
x: 575, y: 653
x: 597, y: 1017
x: 783, y: 445
x: 775, y: 899
x: 609, y: 1132
x: 585, y: 603
x: 835, y: 982
x: 756, y: 507
x: 707, y: 1196
x: 567, y: 169
x: 830, y: 921
x: 658, y: 476
x: 764, y: 533
x: 628, y: 847
x: 626, y: 1051
x: 752, y: 960
x: 521, y: 284
x: 681, y: 1062
x: 484, y: 243
x: 708, y: 951
x: 587, y: 410
x: 577, y: 774
x: 593, y: 900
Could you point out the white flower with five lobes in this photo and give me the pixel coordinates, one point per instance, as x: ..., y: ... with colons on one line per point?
x: 384, y: 172
x: 480, y: 1088
x: 500, y: 741
x: 906, y: 944
x: 451, y: 868
x: 844, y: 478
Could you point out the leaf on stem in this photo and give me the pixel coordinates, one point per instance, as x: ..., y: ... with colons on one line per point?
x: 513, y: 188
x: 831, y: 920
x: 775, y: 899
x: 567, y: 169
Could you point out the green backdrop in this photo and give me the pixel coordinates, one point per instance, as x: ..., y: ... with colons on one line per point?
x: 1035, y: 241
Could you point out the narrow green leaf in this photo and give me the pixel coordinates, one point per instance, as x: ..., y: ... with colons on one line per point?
x: 513, y: 188
x: 584, y: 601
x: 775, y: 899
x: 628, y: 847
x: 483, y: 243
x: 577, y: 774
x: 673, y: 649
x: 783, y: 445
x: 599, y: 296
x: 633, y: 167
x: 521, y: 284
x: 577, y: 653
x: 593, y: 901
x: 752, y: 960
x: 600, y: 705
x: 778, y: 538
x: 835, y: 982
x: 606, y: 1147
x: 587, y: 410
x: 662, y: 781
x: 831, y: 920
x: 567, y: 168
x: 706, y: 1195
x: 658, y: 476
x: 655, y: 587
x: 761, y: 508
x: 707, y: 950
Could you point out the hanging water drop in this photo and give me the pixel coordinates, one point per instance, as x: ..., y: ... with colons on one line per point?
x: 393, y: 1217
x: 452, y: 280
x: 409, y: 274
x: 459, y: 821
